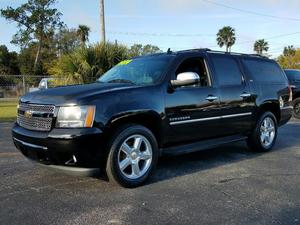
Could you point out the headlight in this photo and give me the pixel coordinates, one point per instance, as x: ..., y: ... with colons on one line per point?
x: 75, y: 116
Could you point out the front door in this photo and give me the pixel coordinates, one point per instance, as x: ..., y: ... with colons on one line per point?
x: 192, y: 111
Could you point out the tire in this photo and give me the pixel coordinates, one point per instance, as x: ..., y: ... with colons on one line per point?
x: 296, y: 108
x: 134, y: 149
x: 259, y: 140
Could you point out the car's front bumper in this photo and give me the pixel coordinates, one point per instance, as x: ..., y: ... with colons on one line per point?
x: 61, y: 147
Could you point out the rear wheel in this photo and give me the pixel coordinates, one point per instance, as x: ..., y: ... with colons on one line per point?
x: 132, y: 157
x: 264, y: 134
x: 296, y: 108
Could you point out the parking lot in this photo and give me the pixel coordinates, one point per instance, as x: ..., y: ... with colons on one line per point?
x: 227, y: 185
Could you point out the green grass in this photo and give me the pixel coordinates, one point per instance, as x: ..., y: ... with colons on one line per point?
x: 8, y: 110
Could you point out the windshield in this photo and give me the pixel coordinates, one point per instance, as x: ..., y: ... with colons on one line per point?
x: 139, y: 71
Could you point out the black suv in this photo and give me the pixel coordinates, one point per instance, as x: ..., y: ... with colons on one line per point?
x: 294, y: 78
x: 168, y: 103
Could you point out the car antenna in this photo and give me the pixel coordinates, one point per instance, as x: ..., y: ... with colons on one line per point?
x: 169, y: 51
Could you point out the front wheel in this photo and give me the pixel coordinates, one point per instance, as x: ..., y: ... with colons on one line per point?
x: 264, y: 134
x: 132, y: 157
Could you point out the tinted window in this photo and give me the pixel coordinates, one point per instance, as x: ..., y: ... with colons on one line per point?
x: 264, y: 71
x: 196, y: 65
x: 227, y: 71
x: 293, y: 75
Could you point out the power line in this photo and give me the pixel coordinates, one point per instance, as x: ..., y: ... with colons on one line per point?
x: 193, y: 35
x: 277, y: 50
x: 160, y: 46
x: 266, y: 38
x: 282, y: 35
x: 250, y: 12
x: 272, y: 37
x: 158, y: 34
x: 207, y: 46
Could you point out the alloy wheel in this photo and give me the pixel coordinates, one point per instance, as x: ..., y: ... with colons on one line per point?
x: 267, y: 132
x: 297, y: 109
x: 135, y: 156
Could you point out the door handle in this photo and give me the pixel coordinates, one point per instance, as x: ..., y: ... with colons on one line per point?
x: 245, y: 95
x: 211, y: 98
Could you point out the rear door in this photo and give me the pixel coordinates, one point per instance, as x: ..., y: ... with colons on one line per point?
x: 236, y: 101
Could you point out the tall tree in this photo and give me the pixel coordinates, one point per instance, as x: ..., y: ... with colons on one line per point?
x: 289, y: 51
x: 291, y: 60
x: 8, y: 61
x: 66, y: 40
x: 35, y: 20
x: 226, y: 37
x: 83, y: 33
x: 139, y: 50
x: 150, y: 49
x: 261, y: 46
x: 27, y: 56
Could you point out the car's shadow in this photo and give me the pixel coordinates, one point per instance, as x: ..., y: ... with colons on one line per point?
x: 180, y: 165
x: 169, y: 167
x: 175, y: 166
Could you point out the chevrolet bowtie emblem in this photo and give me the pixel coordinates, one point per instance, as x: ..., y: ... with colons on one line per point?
x: 28, y: 114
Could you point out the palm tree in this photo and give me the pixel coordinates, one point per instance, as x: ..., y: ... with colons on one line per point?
x: 83, y: 32
x: 289, y: 51
x: 226, y: 36
x: 261, y: 46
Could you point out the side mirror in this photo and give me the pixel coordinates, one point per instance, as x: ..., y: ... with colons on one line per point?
x: 43, y: 84
x: 185, y: 79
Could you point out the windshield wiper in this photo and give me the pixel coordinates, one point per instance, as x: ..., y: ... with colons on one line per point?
x: 121, y: 81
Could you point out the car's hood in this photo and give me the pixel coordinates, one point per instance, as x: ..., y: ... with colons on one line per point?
x: 71, y: 94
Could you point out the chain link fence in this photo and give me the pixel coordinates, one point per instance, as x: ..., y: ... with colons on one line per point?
x: 14, y: 86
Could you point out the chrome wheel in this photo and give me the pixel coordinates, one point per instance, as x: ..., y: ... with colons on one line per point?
x: 135, y: 156
x: 297, y: 108
x: 267, y: 132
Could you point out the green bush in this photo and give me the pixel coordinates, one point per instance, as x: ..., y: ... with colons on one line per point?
x: 86, y: 64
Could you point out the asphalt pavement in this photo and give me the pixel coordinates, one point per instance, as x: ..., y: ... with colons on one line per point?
x: 226, y: 185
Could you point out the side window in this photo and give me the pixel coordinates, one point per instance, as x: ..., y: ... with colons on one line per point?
x: 297, y: 76
x: 227, y: 70
x: 290, y: 75
x: 196, y: 65
x: 264, y: 71
x: 293, y: 75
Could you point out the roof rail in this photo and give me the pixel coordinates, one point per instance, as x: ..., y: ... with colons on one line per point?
x: 237, y: 53
x: 258, y: 55
x: 196, y: 49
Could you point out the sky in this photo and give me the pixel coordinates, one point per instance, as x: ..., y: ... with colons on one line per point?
x: 180, y: 24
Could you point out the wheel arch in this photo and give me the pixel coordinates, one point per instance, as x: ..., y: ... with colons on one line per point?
x: 296, y: 95
x: 148, y: 119
x: 271, y: 106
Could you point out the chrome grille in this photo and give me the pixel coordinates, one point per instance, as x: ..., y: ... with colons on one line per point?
x: 37, y: 108
x: 35, y: 117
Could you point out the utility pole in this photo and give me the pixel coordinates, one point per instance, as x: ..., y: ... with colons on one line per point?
x: 102, y: 21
